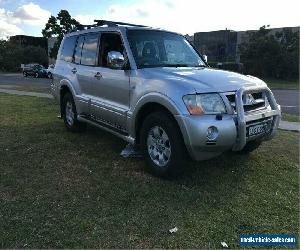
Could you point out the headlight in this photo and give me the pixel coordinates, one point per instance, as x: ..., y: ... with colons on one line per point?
x: 204, y: 104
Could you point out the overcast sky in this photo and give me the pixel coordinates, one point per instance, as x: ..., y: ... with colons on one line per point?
x: 184, y: 16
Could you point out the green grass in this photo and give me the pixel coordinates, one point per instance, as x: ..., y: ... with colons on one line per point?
x: 290, y: 118
x: 26, y: 88
x: 34, y: 89
x: 65, y: 190
x: 282, y: 84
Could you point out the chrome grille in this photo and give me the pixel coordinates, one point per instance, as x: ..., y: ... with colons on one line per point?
x: 251, y: 102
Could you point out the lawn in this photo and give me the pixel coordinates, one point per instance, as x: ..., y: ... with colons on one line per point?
x: 26, y: 88
x: 282, y: 84
x: 64, y: 190
x: 290, y: 118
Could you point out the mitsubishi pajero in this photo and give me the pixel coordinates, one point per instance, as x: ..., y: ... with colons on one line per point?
x: 151, y: 88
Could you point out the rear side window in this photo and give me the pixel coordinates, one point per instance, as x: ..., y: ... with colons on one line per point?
x: 67, y: 51
x: 89, y: 52
x: 77, y: 53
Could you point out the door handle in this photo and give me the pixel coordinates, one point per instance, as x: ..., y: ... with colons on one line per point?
x: 98, y: 75
x: 74, y: 70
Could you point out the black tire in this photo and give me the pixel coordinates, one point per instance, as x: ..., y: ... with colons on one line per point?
x: 178, y: 156
x: 49, y: 75
x: 249, y: 147
x: 36, y: 75
x: 24, y: 74
x: 75, y: 126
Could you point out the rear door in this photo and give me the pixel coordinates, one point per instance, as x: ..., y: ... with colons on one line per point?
x: 85, y: 61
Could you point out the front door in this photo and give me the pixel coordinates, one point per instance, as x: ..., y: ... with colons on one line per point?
x: 110, y: 101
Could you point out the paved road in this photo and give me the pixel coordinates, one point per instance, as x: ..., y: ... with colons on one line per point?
x: 288, y: 99
x: 7, y: 80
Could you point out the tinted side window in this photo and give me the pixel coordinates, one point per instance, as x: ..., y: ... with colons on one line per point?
x: 68, y: 48
x: 89, y: 50
x: 78, y: 48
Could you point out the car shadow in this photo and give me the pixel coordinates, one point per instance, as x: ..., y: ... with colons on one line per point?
x: 196, y: 172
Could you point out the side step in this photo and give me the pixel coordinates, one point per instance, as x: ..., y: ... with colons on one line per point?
x: 115, y: 131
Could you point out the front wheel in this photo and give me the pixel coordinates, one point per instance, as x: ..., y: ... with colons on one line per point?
x: 69, y: 114
x: 24, y: 74
x: 49, y: 75
x: 163, y: 145
x: 36, y: 75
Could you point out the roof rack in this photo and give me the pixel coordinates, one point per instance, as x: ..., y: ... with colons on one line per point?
x: 83, y: 27
x: 99, y: 23
x: 114, y: 24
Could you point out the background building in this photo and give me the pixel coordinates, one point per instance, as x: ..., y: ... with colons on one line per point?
x: 30, y: 41
x: 45, y: 43
x: 223, y: 45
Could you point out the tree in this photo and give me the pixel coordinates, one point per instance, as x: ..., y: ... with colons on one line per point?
x: 268, y: 55
x: 12, y: 55
x: 58, y: 27
x: 289, y: 63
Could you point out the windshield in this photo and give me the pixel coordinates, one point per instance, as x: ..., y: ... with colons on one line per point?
x: 162, y: 49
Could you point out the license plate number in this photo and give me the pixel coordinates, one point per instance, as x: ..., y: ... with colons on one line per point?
x: 257, y: 129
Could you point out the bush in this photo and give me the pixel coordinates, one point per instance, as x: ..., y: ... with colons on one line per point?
x: 271, y: 56
x: 231, y: 66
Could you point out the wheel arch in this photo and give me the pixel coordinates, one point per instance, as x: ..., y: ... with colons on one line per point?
x: 65, y: 87
x: 150, y: 105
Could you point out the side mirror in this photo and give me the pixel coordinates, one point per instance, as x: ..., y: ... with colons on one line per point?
x: 115, y: 60
x: 205, y: 58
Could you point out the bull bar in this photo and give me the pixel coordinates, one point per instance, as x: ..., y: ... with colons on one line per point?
x: 242, y: 119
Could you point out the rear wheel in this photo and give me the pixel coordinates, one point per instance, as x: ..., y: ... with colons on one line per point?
x: 69, y: 114
x: 250, y: 146
x: 36, y: 75
x: 24, y: 74
x: 49, y: 75
x: 163, y: 145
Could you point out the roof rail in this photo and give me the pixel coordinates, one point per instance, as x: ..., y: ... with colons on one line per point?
x: 102, y: 23
x: 83, y: 27
x: 113, y: 24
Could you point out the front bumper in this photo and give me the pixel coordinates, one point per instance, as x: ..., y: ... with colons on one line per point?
x: 232, y: 128
x: 194, y: 131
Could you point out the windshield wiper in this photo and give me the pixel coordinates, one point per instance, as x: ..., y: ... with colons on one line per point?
x: 176, y: 65
x: 183, y: 65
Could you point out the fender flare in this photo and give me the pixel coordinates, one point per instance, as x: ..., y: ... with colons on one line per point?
x: 154, y: 97
x: 66, y: 83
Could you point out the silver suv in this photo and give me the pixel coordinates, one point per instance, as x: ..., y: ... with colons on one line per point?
x: 153, y: 89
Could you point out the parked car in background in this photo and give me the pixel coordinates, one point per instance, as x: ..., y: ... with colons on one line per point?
x: 34, y: 70
x: 153, y: 89
x: 50, y: 71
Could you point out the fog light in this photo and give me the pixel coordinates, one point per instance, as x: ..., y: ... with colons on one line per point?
x: 212, y: 133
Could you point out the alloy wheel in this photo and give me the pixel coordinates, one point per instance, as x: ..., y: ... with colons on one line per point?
x: 159, y: 147
x: 69, y: 113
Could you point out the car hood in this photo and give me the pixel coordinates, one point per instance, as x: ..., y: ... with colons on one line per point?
x: 206, y: 79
